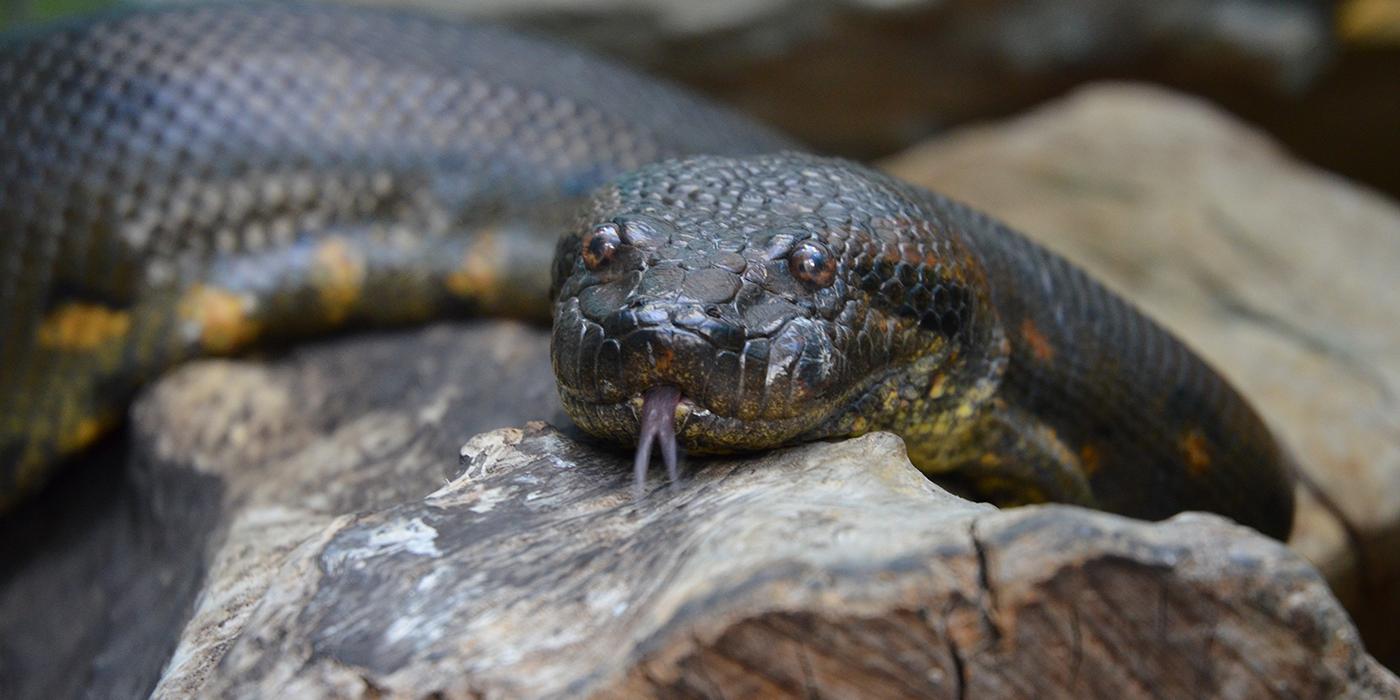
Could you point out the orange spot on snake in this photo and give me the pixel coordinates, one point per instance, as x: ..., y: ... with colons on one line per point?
x: 1196, y: 451
x: 221, y: 318
x: 84, y: 433
x: 1039, y: 345
x: 664, y: 356
x: 475, y: 277
x: 1090, y: 459
x: 78, y: 326
x: 338, y: 276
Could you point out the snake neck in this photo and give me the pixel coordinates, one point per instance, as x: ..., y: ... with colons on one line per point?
x: 933, y: 402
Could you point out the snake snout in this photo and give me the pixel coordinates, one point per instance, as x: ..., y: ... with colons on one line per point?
x: 742, y: 385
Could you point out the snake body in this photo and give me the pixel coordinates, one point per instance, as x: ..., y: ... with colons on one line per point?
x: 200, y: 180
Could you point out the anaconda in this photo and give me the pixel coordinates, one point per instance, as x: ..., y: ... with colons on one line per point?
x: 202, y: 180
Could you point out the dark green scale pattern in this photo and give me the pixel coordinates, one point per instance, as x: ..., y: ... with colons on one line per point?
x: 146, y: 152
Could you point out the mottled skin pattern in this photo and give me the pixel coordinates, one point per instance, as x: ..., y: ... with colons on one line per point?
x: 1006, y: 370
x: 199, y: 181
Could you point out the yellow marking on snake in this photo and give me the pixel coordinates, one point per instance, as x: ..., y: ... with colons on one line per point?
x: 1090, y: 459
x: 84, y: 433
x: 78, y: 326
x: 27, y: 473
x: 338, y: 276
x: 1196, y: 451
x: 70, y: 440
x: 222, y: 318
x: 475, y: 277
x: 1013, y: 492
x: 939, y: 386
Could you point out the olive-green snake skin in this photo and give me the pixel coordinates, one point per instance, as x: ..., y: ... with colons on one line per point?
x: 199, y: 180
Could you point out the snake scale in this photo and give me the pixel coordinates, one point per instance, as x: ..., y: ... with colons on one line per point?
x: 202, y: 180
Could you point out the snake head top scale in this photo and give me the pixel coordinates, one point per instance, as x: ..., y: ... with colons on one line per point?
x: 738, y: 304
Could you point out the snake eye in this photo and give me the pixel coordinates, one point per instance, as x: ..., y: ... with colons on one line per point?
x: 599, y: 245
x: 812, y: 264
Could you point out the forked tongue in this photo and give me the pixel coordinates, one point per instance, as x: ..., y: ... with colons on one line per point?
x: 658, y: 422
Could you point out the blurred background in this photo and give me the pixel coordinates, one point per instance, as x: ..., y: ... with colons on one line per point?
x: 866, y: 78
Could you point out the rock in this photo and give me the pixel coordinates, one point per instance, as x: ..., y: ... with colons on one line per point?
x: 1282, y: 276
x: 829, y: 569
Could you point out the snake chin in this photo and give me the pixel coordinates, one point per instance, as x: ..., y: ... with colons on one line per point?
x: 702, y: 430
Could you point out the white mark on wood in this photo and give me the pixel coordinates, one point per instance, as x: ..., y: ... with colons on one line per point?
x: 413, y: 536
x: 429, y: 581
x: 484, y: 450
x: 487, y: 500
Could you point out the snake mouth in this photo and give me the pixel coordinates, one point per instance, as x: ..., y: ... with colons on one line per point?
x: 692, y: 425
x: 661, y: 413
x: 758, y: 392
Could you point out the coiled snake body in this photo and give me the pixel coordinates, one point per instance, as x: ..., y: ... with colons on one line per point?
x: 198, y: 180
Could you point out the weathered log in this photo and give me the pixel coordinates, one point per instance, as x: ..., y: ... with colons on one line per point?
x: 346, y: 567
x: 342, y: 564
x: 825, y: 570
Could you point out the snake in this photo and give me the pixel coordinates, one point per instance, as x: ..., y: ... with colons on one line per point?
x: 193, y: 181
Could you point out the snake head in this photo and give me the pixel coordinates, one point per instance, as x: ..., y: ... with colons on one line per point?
x: 783, y: 297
